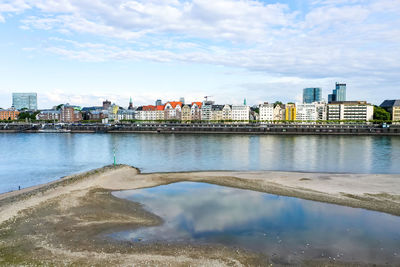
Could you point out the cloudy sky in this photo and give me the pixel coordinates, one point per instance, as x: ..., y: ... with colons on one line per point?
x: 83, y: 51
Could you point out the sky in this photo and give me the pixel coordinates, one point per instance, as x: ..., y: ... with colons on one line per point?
x: 85, y: 51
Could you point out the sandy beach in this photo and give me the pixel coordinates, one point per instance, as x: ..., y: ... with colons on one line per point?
x: 65, y: 221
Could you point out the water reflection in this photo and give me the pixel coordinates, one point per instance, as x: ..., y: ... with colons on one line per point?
x: 46, y: 157
x: 288, y: 229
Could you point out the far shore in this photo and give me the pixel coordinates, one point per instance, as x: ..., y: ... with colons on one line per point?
x: 64, y: 221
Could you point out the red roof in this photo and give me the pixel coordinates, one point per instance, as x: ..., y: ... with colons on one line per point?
x: 198, y: 104
x: 149, y: 108
x: 160, y: 107
x: 175, y: 103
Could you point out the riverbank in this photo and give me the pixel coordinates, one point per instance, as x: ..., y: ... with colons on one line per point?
x: 66, y: 221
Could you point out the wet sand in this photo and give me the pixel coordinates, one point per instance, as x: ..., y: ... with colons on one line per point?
x: 65, y: 221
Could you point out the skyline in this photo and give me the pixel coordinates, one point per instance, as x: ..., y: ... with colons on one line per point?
x: 83, y: 52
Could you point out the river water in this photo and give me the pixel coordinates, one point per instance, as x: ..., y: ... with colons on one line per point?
x: 31, y: 159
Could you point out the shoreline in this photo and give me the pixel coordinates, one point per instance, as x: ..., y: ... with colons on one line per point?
x: 38, y: 223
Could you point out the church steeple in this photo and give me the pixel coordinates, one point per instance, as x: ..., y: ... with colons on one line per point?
x: 130, y: 103
x: 244, y: 102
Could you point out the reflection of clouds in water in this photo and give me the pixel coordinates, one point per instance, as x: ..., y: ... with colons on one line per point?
x: 208, y: 213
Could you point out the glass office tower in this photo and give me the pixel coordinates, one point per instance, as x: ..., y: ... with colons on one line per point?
x: 338, y: 94
x: 24, y: 100
x: 311, y: 95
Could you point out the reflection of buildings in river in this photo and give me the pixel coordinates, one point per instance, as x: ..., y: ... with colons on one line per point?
x: 239, y: 154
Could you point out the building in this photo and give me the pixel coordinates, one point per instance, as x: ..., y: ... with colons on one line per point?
x: 206, y: 113
x: 266, y: 112
x: 240, y: 113
x: 9, y: 114
x: 158, y: 102
x: 196, y: 110
x: 48, y: 115
x: 393, y: 107
x: 311, y: 95
x: 173, y: 110
x: 217, y: 112
x: 182, y: 100
x: 227, y: 113
x: 290, y: 112
x: 350, y: 111
x: 186, y: 114
x: 70, y: 113
x: 338, y: 94
x: 279, y: 113
x: 322, y: 109
x: 306, y: 112
x: 24, y: 101
x: 106, y: 105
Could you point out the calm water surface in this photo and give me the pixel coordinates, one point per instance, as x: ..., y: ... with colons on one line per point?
x: 287, y: 229
x: 31, y: 159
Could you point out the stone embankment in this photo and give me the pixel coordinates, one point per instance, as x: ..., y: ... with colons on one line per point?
x: 261, y: 129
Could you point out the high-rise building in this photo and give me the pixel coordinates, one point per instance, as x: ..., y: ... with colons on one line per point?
x: 182, y: 100
x: 311, y: 95
x: 338, y: 94
x: 24, y: 101
x: 158, y: 102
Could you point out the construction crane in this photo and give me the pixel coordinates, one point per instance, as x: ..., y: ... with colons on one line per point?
x: 207, y: 96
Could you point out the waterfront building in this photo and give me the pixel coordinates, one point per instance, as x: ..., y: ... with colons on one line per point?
x: 206, y: 110
x: 279, y: 112
x: 311, y: 95
x: 290, y: 112
x: 106, y: 105
x: 350, y: 110
x: 186, y: 113
x: 217, y: 112
x: 338, y: 94
x: 96, y: 115
x: 306, y: 112
x: 266, y: 112
x: 70, y: 113
x: 227, y: 113
x: 322, y: 109
x: 9, y: 114
x: 24, y: 101
x: 393, y: 107
x: 125, y: 114
x: 160, y: 113
x: 48, y: 115
x: 173, y: 110
x: 196, y: 111
x: 240, y: 113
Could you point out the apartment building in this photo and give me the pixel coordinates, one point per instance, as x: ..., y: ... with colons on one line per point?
x: 266, y: 112
x: 350, y: 110
x: 9, y: 114
x: 240, y: 113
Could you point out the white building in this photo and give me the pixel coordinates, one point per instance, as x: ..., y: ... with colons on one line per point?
x: 306, y: 112
x: 240, y: 113
x: 206, y: 111
x: 322, y: 109
x: 350, y: 110
x: 266, y: 112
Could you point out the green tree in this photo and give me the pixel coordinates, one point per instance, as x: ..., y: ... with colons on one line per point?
x: 381, y: 114
x: 277, y: 103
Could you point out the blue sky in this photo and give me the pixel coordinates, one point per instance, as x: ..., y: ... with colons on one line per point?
x: 84, y: 51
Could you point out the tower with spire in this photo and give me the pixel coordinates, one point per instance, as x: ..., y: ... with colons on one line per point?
x: 130, y: 104
x: 245, y: 102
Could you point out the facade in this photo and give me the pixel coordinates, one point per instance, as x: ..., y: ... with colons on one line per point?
x: 9, y: 114
x: 311, y: 95
x: 279, y: 113
x: 24, y: 101
x: 393, y: 107
x: 227, y: 113
x: 48, y: 115
x: 206, y: 110
x: 240, y: 113
x: 266, y: 112
x: 173, y: 110
x: 106, y: 105
x: 306, y: 112
x: 158, y: 102
x: 290, y: 112
x: 338, y: 94
x: 69, y: 114
x: 126, y: 114
x: 350, y: 110
x: 322, y: 109
x: 217, y: 112
x: 195, y: 110
x: 186, y: 113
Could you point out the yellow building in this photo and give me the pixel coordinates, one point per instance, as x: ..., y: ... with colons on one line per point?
x: 8, y: 114
x: 396, y: 114
x: 290, y: 112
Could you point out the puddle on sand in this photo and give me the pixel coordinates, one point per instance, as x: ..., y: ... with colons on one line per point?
x: 286, y: 229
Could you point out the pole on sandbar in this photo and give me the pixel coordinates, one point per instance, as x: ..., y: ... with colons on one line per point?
x: 115, y: 161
